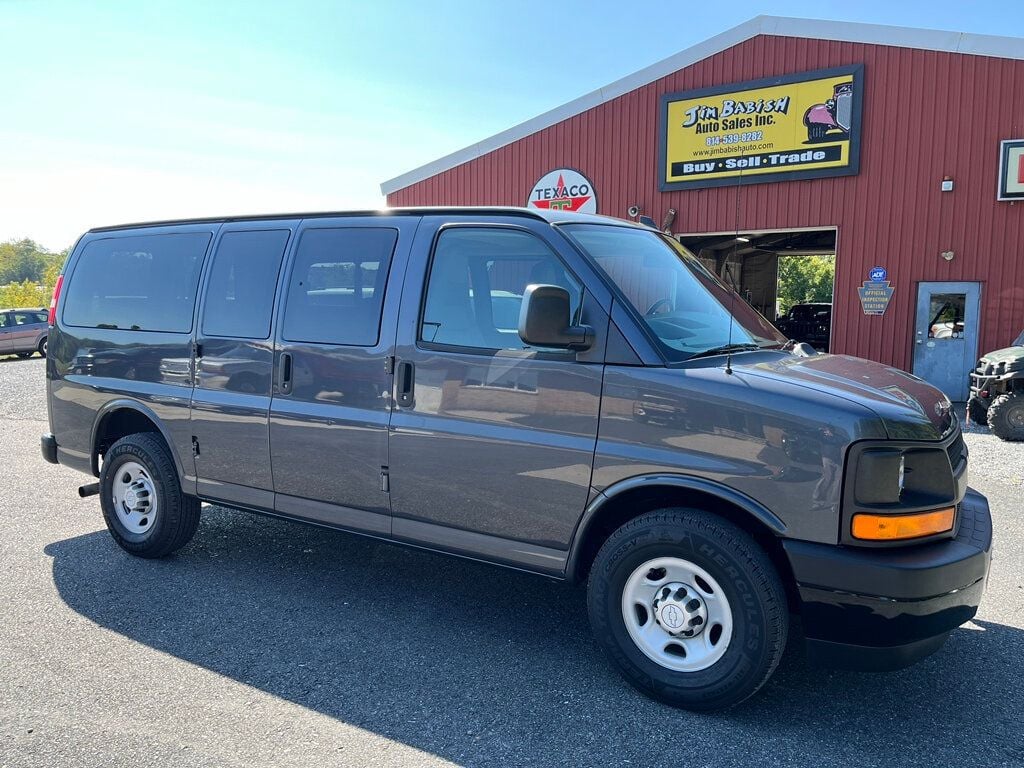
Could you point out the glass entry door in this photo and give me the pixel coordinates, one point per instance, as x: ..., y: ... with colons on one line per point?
x: 946, y: 335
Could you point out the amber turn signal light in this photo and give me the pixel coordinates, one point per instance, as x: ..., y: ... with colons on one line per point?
x: 897, y: 527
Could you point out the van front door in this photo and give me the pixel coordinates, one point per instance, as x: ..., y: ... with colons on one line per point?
x: 233, y: 364
x: 332, y: 397
x: 946, y: 335
x: 492, y: 442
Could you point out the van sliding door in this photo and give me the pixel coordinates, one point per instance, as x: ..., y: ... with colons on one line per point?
x: 332, y: 398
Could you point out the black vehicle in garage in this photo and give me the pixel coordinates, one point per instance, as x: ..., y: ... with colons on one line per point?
x: 997, y: 391
x: 810, y: 323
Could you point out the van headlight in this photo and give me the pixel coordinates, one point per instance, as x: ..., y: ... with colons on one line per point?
x: 902, y: 476
x: 897, y: 481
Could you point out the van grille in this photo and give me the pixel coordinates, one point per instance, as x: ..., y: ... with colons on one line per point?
x: 957, y: 451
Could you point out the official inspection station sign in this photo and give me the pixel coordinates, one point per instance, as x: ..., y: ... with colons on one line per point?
x: 876, y: 292
x: 800, y: 126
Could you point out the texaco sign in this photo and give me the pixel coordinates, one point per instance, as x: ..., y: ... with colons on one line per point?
x: 564, y: 190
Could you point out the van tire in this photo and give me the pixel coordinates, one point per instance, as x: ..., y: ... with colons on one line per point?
x: 41, y: 349
x: 735, y: 564
x: 176, y: 516
x: 1006, y: 416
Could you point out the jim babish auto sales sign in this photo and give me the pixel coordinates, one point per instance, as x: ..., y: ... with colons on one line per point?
x: 798, y: 126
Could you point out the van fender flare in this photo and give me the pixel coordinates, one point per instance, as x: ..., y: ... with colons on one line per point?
x: 755, y: 509
x: 133, y: 405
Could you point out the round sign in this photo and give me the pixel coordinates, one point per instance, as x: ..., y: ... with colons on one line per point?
x: 877, y: 274
x: 564, y: 190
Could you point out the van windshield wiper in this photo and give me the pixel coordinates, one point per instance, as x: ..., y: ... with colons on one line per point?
x: 725, y: 348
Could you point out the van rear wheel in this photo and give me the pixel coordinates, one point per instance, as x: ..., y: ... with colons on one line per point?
x: 688, y: 608
x: 143, y: 505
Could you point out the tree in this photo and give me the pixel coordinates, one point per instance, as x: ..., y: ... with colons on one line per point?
x: 805, y: 279
x: 25, y: 259
x: 28, y: 273
x: 24, y: 294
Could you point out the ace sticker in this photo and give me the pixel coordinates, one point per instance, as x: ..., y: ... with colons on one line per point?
x: 564, y: 190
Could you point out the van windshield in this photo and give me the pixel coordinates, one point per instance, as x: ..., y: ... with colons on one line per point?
x: 686, y: 306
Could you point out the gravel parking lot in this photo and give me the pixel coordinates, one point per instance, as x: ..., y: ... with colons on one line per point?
x: 271, y: 643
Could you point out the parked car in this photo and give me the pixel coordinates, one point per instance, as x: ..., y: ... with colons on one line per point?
x: 23, y: 332
x: 997, y: 391
x: 810, y: 323
x: 653, y: 439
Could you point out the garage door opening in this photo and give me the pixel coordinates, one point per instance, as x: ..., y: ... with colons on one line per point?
x: 787, y: 275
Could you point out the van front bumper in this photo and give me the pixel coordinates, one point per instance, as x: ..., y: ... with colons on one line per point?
x: 886, y: 608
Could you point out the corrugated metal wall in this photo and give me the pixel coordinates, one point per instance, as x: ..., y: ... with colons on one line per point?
x: 926, y: 115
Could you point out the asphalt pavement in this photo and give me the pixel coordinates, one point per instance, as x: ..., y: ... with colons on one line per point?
x: 268, y: 643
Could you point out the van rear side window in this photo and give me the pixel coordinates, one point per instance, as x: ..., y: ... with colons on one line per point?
x: 336, y: 289
x: 242, y: 283
x: 139, y: 283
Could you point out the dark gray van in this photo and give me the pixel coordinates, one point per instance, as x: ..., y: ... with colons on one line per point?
x: 569, y: 395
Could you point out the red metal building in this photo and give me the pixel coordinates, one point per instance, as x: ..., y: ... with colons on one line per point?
x: 932, y: 111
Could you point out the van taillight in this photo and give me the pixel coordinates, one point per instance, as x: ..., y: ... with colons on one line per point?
x: 52, y: 317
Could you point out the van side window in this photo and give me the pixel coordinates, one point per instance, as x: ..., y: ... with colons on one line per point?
x: 243, y: 281
x: 336, y: 287
x: 142, y: 283
x: 476, y: 283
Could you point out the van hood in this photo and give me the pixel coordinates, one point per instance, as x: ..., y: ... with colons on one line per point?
x: 909, y: 408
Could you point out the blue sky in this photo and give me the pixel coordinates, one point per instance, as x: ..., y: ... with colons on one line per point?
x: 126, y: 111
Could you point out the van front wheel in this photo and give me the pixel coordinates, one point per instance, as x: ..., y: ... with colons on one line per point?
x: 143, y: 504
x: 688, y: 608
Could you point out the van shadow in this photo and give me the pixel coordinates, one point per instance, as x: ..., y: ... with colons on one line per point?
x: 484, y: 666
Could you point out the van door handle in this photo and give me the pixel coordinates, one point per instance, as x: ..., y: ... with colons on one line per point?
x: 405, y: 377
x: 284, y: 373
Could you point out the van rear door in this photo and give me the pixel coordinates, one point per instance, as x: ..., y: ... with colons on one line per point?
x: 332, y: 398
x: 233, y: 363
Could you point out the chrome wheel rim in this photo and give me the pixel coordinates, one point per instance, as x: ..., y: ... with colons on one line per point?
x: 677, y: 614
x: 134, y: 496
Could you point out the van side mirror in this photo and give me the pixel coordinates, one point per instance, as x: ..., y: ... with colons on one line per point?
x: 544, y: 319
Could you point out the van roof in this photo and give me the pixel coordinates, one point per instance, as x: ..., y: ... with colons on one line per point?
x: 550, y: 216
